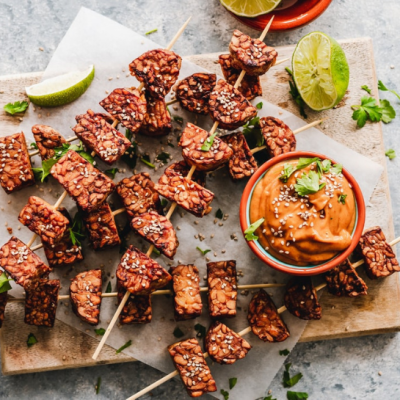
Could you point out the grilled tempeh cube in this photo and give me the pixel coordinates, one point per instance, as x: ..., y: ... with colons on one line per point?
x: 64, y: 252
x: 250, y: 87
x: 158, y: 69
x: 47, y: 139
x: 194, y: 91
x: 192, y: 367
x: 3, y: 303
x: 85, y: 184
x: 242, y: 163
x: 139, y: 274
x: 157, y: 230
x: 380, y: 260
x: 225, y: 346
x: 182, y: 168
x: 222, y: 285
x: 251, y: 55
x: 186, y: 287
x: 41, y: 302
x: 21, y: 262
x: 127, y: 106
x: 343, y: 280
x: 101, y: 227
x: 137, y: 310
x: 278, y: 137
x: 157, y: 121
x: 186, y: 193
x: 264, y: 319
x: 138, y: 195
x: 98, y: 135
x: 85, y: 293
x: 229, y: 107
x: 43, y: 219
x: 301, y: 299
x: 15, y: 166
x: 192, y: 140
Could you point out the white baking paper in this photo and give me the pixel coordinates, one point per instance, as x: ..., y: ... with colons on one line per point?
x: 95, y: 39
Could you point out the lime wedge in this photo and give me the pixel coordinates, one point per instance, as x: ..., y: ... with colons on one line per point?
x: 250, y: 8
x: 320, y: 71
x: 61, y: 89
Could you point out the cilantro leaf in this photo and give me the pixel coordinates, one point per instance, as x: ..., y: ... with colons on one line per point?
x: 382, y: 87
x: 177, y: 119
x: 296, y: 94
x: 17, y: 107
x: 286, y: 172
x: 31, y: 340
x: 164, y: 203
x: 366, y: 88
x: 219, y: 214
x: 152, y: 31
x: 111, y: 172
x: 178, y: 332
x: 201, y: 330
x: 388, y: 112
x: 97, y: 387
x: 130, y: 155
x: 163, y: 157
x: 289, y: 381
x: 4, y: 283
x: 108, y: 290
x: 170, y: 144
x: 41, y: 173
x: 146, y: 160
x: 305, y: 162
x: 269, y: 397
x: 100, y: 331
x: 308, y: 184
x: 253, y: 133
x: 204, y: 252
x: 389, y: 153
x: 209, y: 142
x: 337, y: 169
x: 34, y: 146
x: 259, y: 105
x: 76, y: 231
x: 324, y: 166
x: 342, y: 198
x: 126, y: 345
x: 232, y: 383
x: 249, y: 232
x: 284, y: 352
x: 156, y: 252
x: 225, y: 394
x: 368, y: 109
x: 296, y: 395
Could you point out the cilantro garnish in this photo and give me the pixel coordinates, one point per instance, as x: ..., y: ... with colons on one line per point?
x: 130, y: 155
x: 287, y: 171
x: 232, y: 383
x: 284, y: 352
x: 370, y: 110
x: 164, y: 203
x: 156, y: 252
x: 31, y: 340
x: 295, y: 94
x: 259, y: 105
x: 308, y: 184
x: 111, y: 172
x: 108, y: 290
x: 366, y: 88
x: 178, y: 332
x: 269, y: 397
x: 146, y: 160
x: 390, y: 153
x: 337, y: 169
x: 388, y: 112
x: 34, y: 146
x: 152, y: 31
x: 324, y: 166
x: 209, y: 142
x: 201, y: 330
x: 249, y: 232
x: 177, y: 119
x: 219, y: 214
x: 342, y: 198
x: 76, y: 230
x: 381, y: 86
x: 204, y: 252
x: 296, y: 395
x: 100, y: 331
x: 126, y: 345
x: 305, y: 162
x: 4, y: 283
x: 225, y: 394
x: 253, y: 132
x: 163, y: 157
x: 97, y: 387
x: 289, y: 381
x: 17, y: 107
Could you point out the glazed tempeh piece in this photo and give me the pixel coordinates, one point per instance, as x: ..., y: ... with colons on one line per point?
x: 157, y: 121
x: 192, y: 367
x: 242, y: 163
x: 343, y: 280
x: 186, y: 193
x: 85, y: 184
x: 158, y: 69
x: 3, y: 303
x: 225, y: 346
x: 251, y: 55
x: 222, y: 285
x: 194, y: 91
x: 301, y: 299
x: 15, y: 166
x: 278, y: 137
x: 157, y: 230
x: 186, y: 287
x: 127, y: 106
x: 21, y: 262
x: 264, y: 319
x: 98, y: 135
x: 192, y: 140
x: 229, y: 107
x: 250, y: 87
x: 41, y: 302
x: 182, y: 168
x: 41, y: 217
x: 380, y: 260
x: 64, y: 252
x: 85, y: 293
x: 139, y: 274
x: 101, y: 227
x: 47, y: 139
x: 138, y: 195
x: 137, y: 310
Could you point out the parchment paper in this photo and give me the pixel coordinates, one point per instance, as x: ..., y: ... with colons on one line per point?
x: 95, y: 39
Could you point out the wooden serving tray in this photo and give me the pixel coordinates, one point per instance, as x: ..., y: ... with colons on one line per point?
x: 66, y: 347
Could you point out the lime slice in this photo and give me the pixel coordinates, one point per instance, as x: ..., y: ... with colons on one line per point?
x: 320, y: 71
x: 61, y: 89
x: 250, y: 8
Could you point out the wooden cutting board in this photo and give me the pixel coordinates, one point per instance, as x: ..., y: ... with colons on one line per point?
x: 66, y: 347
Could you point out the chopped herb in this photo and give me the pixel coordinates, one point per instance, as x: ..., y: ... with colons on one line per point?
x: 130, y: 155
x: 296, y: 395
x: 170, y: 144
x: 296, y: 94
x: 169, y: 112
x: 4, y: 283
x: 111, y: 172
x: 163, y: 157
x: 209, y: 142
x: 76, y: 230
x: 225, y: 394
x: 337, y: 169
x: 156, y: 252
x: 390, y: 153
x: 232, y: 383
x: 34, y: 146
x: 108, y: 290
x: 126, y: 345
x: 290, y: 381
x: 17, y: 107
x: 305, y: 162
x: 204, y: 252
x: 308, y: 184
x: 201, y: 330
x: 152, y: 31
x: 284, y: 352
x: 31, y: 340
x: 249, y: 232
x: 367, y: 110
x: 287, y: 171
x: 253, y: 133
x: 100, y: 331
x: 269, y: 398
x: 97, y: 387
x: 259, y: 105
x: 388, y: 112
x: 146, y: 160
x: 219, y: 214
x: 342, y: 198
x: 382, y: 87
x: 123, y: 234
x: 178, y: 333
x: 366, y: 88
x: 324, y: 166
x: 164, y: 203
x: 177, y: 119
x: 41, y: 173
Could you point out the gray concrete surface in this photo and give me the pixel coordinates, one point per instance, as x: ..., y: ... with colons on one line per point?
x: 337, y: 369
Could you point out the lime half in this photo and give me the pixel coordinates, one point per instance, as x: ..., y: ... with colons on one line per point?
x: 250, y: 8
x: 320, y: 71
x: 61, y: 89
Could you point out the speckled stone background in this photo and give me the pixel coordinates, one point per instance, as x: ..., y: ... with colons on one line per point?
x: 365, y: 368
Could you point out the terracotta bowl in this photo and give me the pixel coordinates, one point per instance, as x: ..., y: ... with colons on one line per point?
x: 273, y: 262
x: 294, y: 15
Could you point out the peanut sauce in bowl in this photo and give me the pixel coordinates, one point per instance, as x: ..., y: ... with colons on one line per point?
x: 308, y: 212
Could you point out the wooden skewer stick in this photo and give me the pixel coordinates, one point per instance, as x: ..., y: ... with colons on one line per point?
x: 151, y: 248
